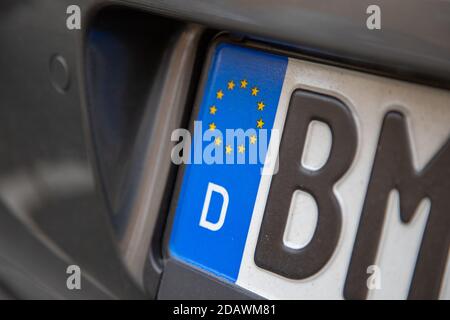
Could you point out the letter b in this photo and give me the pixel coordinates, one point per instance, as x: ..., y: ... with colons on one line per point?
x: 271, y: 252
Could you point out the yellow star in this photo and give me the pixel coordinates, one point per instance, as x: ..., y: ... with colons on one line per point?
x: 259, y: 123
x: 253, y: 139
x: 212, y: 110
x: 255, y: 91
x: 219, y: 94
x: 231, y: 85
x: 228, y: 149
x: 244, y: 83
x: 241, y: 148
x: 261, y: 105
x: 217, y: 141
x: 212, y: 126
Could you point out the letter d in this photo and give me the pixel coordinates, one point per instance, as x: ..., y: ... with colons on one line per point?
x: 214, y: 226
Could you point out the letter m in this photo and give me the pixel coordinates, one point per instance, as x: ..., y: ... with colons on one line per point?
x: 393, y: 169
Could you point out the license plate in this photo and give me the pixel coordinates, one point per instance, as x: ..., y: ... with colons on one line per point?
x: 307, y: 181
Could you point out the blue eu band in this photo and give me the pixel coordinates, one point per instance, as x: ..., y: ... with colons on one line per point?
x: 216, y: 201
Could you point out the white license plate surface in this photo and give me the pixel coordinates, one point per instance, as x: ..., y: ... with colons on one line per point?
x: 358, y: 203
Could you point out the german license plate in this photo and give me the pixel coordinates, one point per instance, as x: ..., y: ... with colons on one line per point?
x: 307, y: 181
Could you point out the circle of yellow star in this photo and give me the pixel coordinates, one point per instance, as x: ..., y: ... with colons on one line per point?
x: 261, y: 105
x: 212, y: 110
x: 228, y: 149
x: 231, y: 85
x: 253, y: 139
x: 244, y: 84
x: 212, y: 126
x: 217, y: 141
x: 219, y: 94
x: 241, y: 148
x: 255, y: 91
x: 259, y: 123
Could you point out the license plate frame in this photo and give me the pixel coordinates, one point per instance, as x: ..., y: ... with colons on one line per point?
x: 316, y: 84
